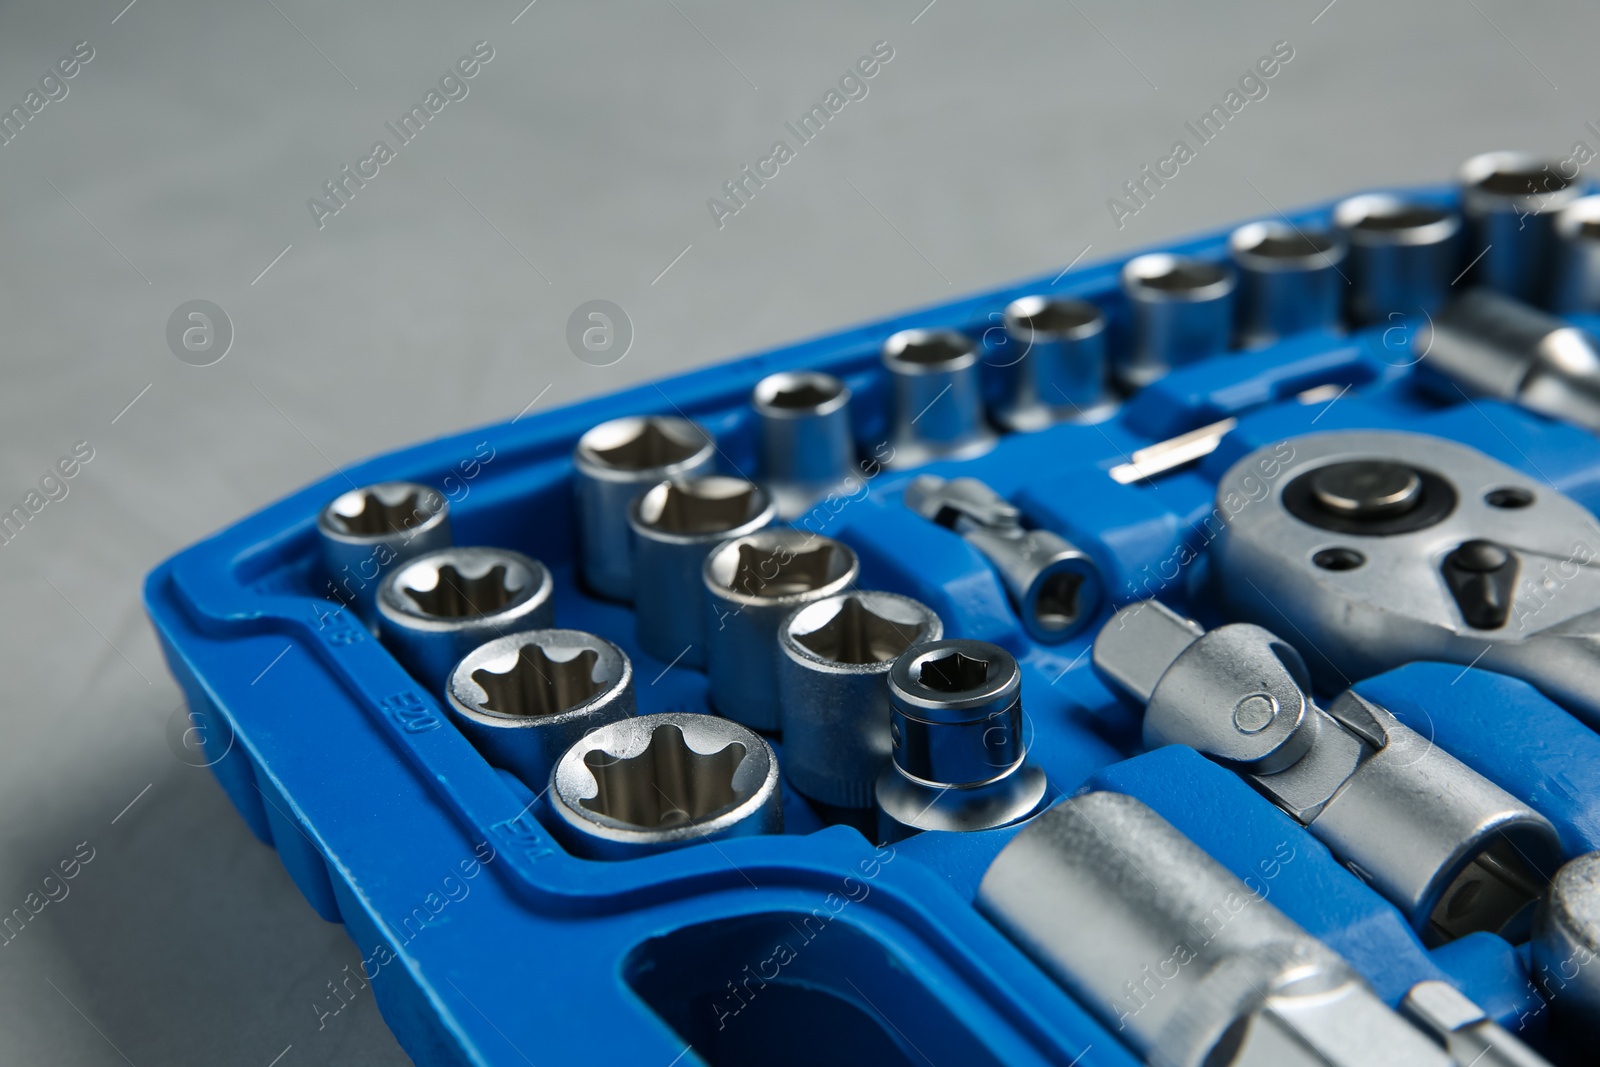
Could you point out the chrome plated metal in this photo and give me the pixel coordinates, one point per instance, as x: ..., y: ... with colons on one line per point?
x: 1403, y: 255
x: 1577, y: 251
x: 937, y: 398
x: 1053, y: 365
x: 807, y: 447
x: 1565, y: 951
x: 1290, y: 280
x: 1510, y: 201
x: 366, y: 532
x: 1464, y: 1029
x: 1182, y: 311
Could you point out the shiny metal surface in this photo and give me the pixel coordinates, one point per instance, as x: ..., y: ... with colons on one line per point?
x: 1577, y: 257
x: 366, y: 532
x: 1466, y: 1032
x: 437, y: 608
x: 1402, y: 257
x: 936, y: 406
x: 1053, y: 365
x: 522, y: 700
x: 675, y: 525
x: 1565, y: 951
x: 1510, y: 202
x: 1182, y: 311
x: 615, y: 462
x: 1188, y: 964
x: 656, y: 782
x: 1453, y: 851
x: 1174, y: 452
x: 807, y: 447
x: 1290, y: 280
x: 833, y: 691
x: 752, y: 583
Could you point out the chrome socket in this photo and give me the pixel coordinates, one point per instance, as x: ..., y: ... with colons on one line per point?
x: 368, y: 531
x: 659, y: 782
x: 1402, y: 257
x: 1054, y: 364
x: 836, y: 655
x: 752, y: 583
x: 675, y: 525
x: 1566, y: 945
x: 1511, y: 201
x: 937, y: 404
x: 807, y: 447
x: 435, y: 609
x: 1577, y: 239
x: 1053, y: 584
x: 615, y: 462
x: 523, y: 700
x: 959, y: 758
x: 1290, y: 280
x: 1182, y: 311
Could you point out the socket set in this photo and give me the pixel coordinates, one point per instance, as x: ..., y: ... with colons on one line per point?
x: 1187, y: 660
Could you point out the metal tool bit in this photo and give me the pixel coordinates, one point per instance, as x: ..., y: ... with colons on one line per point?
x: 1185, y: 962
x: 1467, y: 1033
x: 1491, y: 344
x: 937, y: 398
x: 1452, y: 850
x: 658, y: 782
x: 1565, y: 952
x: 1403, y: 255
x: 675, y: 526
x: 1174, y: 452
x: 437, y: 608
x: 1510, y: 201
x: 807, y: 447
x: 956, y: 731
x: 752, y: 583
x: 1355, y: 549
x: 367, y: 532
x: 1182, y: 312
x: 832, y: 669
x: 1053, y: 584
x: 1053, y: 365
x: 615, y: 462
x: 1577, y: 251
x: 1290, y: 280
x: 522, y: 700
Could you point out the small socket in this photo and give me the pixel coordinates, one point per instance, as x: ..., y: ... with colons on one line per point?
x: 1290, y: 280
x: 437, y: 608
x: 522, y: 700
x: 659, y: 782
x: 612, y: 464
x: 807, y: 447
x: 1577, y: 239
x: 1402, y: 256
x: 1182, y: 311
x: 1053, y: 366
x: 368, y: 531
x: 1510, y: 201
x: 937, y: 398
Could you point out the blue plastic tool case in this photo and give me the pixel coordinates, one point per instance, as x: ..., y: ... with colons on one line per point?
x: 486, y: 943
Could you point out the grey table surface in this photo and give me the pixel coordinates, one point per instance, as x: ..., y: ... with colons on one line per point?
x: 179, y: 164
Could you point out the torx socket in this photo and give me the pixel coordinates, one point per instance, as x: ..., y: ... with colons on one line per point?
x: 366, y: 532
x: 435, y: 609
x: 1510, y: 202
x: 936, y: 398
x: 523, y: 700
x: 1565, y: 949
x: 807, y: 447
x: 1403, y: 255
x: 1577, y: 247
x: 675, y: 525
x: 752, y: 583
x: 615, y: 462
x: 1053, y: 364
x: 836, y: 655
x: 1290, y: 280
x: 959, y: 756
x: 659, y: 782
x: 1182, y: 311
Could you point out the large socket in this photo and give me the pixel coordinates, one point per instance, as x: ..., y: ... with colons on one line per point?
x: 366, y: 532
x: 1053, y: 366
x: 752, y: 583
x: 832, y: 689
x: 808, y: 449
x: 435, y: 609
x: 1290, y: 280
x: 1403, y: 255
x: 1182, y: 311
x: 937, y: 398
x: 615, y: 462
x: 1511, y: 201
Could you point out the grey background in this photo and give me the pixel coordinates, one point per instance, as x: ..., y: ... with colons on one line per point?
x: 577, y: 168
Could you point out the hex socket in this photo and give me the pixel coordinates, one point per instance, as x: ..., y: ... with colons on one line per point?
x: 522, y: 700
x: 752, y: 583
x: 1290, y: 280
x: 1402, y: 256
x: 658, y: 782
x: 615, y: 462
x: 836, y: 655
x: 675, y: 525
x: 438, y: 607
x: 366, y: 532
x: 807, y: 447
x: 1182, y: 311
x: 1577, y: 270
x: 1510, y: 201
x: 1054, y: 368
x: 937, y: 398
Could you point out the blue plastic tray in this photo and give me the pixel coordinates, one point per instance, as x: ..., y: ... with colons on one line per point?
x: 485, y: 943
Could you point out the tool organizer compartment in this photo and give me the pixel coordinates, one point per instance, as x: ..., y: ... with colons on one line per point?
x: 487, y: 940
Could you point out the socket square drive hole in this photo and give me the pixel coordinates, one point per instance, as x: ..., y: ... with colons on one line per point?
x: 458, y: 596
x: 703, y: 506
x: 858, y: 635
x: 668, y: 784
x: 376, y: 517
x: 776, y: 572
x: 538, y: 685
x: 953, y: 672
x: 646, y: 446
x: 1056, y: 606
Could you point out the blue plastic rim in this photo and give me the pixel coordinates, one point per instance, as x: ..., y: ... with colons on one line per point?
x: 486, y: 943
